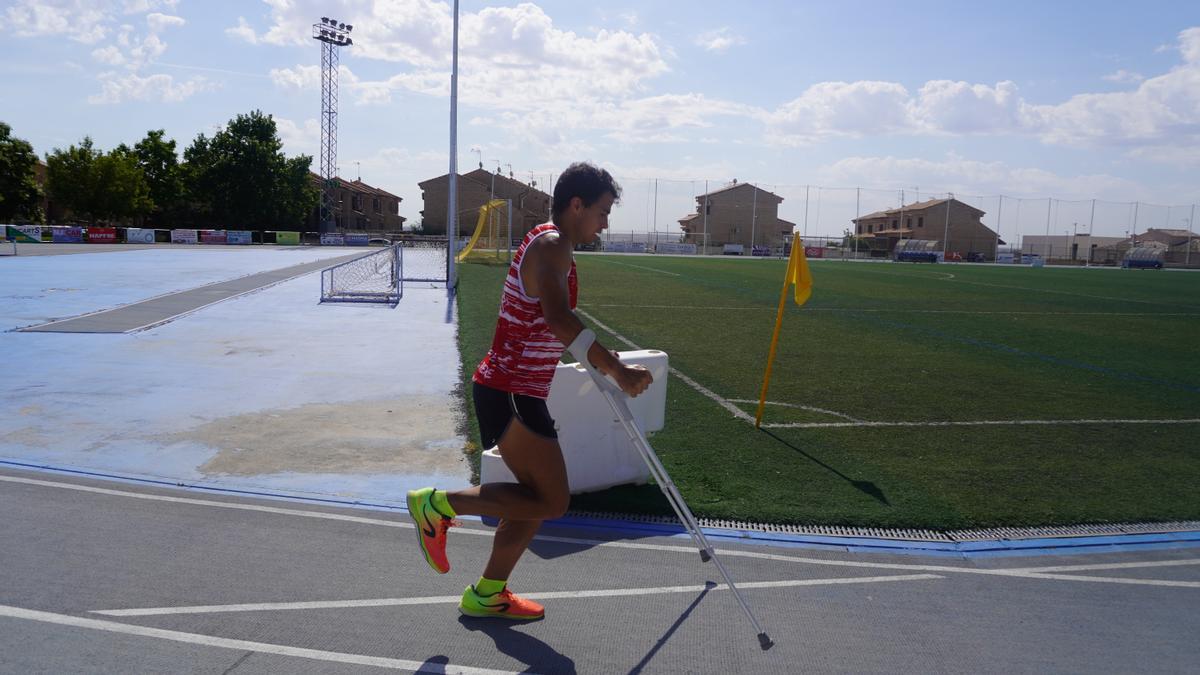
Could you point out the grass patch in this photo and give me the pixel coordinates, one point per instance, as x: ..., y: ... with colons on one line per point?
x: 904, y: 343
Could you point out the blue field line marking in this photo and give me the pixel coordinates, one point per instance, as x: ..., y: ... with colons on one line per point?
x: 1103, y: 370
x: 972, y: 549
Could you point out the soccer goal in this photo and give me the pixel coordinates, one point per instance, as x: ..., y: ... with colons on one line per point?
x: 371, y: 278
x: 424, y: 259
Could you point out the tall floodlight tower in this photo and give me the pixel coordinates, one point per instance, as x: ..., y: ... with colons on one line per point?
x: 332, y: 35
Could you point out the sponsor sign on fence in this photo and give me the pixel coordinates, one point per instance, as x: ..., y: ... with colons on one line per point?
x: 357, y: 239
x: 625, y: 246
x: 676, y: 248
x: 66, y: 235
x: 27, y: 234
x: 135, y: 235
x: 332, y: 240
x: 241, y: 237
x: 287, y: 238
x: 732, y: 249
x: 183, y: 237
x: 814, y: 251
x: 761, y: 251
x: 102, y: 235
x: 212, y: 236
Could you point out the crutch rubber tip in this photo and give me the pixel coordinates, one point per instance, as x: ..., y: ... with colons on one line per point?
x: 764, y: 641
x: 704, y: 556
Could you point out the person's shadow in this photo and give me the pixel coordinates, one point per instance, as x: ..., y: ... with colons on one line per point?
x: 537, y: 656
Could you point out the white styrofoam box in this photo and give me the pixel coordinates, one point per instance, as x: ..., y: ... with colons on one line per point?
x: 597, y: 451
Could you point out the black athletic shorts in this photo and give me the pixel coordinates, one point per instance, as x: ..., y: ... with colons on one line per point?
x: 495, y: 409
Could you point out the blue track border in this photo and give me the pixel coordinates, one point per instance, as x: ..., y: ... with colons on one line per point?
x: 964, y: 549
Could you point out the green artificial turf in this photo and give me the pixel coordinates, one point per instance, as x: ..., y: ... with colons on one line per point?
x: 1079, y: 349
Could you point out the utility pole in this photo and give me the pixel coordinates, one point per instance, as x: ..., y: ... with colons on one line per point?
x: 452, y: 206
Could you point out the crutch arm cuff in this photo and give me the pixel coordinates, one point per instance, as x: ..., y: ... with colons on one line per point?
x: 581, y: 344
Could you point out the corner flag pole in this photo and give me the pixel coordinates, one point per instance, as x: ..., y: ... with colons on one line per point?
x: 798, y: 275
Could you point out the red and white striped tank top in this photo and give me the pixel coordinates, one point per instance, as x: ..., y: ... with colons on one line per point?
x: 524, y: 351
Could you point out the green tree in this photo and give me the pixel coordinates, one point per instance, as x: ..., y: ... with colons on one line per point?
x: 240, y: 177
x: 19, y: 192
x: 96, y: 185
x: 164, y: 177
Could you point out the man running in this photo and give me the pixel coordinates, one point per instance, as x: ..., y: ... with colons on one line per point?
x: 510, y: 389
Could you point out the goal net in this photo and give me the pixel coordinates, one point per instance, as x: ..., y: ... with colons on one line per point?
x: 371, y: 278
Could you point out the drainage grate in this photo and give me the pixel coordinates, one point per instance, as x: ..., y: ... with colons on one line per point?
x: 982, y: 534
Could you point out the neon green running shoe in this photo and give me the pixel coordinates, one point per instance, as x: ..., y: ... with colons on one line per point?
x: 431, y: 528
x: 505, y: 605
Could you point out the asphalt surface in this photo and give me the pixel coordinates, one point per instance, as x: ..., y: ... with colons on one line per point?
x: 158, y: 310
x: 99, y: 577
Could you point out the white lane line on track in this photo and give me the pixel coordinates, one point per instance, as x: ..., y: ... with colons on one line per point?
x: 547, y: 595
x: 1032, y: 573
x: 240, y: 645
x: 1114, y: 566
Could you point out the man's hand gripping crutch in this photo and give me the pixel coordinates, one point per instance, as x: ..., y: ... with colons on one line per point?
x: 616, y: 395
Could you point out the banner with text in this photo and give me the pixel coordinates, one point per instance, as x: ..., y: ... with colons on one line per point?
x: 102, y: 235
x: 287, y: 238
x: 66, y: 235
x: 183, y: 237
x: 239, y: 237
x: 212, y: 236
x: 135, y: 235
x: 332, y: 240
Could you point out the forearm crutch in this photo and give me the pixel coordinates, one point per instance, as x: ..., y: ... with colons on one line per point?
x: 617, y: 400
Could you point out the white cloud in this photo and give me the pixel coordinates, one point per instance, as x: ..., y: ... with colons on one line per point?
x: 849, y: 109
x: 1123, y: 76
x: 962, y: 108
x: 242, y: 32
x: 142, y: 6
x: 109, y: 56
x: 133, y: 87
x: 300, y: 138
x: 159, y: 22
x: 719, y: 40
x: 80, y: 20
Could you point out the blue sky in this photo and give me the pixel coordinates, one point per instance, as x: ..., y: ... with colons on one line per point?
x: 1072, y: 100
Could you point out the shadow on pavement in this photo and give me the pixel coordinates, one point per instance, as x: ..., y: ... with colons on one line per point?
x: 708, y: 586
x: 538, y: 656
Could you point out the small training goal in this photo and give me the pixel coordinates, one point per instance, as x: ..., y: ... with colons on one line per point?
x: 375, y: 277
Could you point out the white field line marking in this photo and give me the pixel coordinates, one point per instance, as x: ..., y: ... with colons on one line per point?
x: 547, y: 595
x: 885, y: 310
x: 797, y: 405
x: 974, y: 423
x: 737, y: 412
x: 641, y: 267
x: 1018, y: 572
x: 728, y: 404
x: 240, y: 645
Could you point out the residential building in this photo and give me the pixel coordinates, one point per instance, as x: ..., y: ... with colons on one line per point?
x: 530, y: 206
x: 358, y: 207
x: 957, y: 223
x: 739, y: 213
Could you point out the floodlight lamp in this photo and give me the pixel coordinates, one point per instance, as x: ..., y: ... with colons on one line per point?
x: 333, y: 22
x: 324, y: 19
x: 349, y: 42
x: 341, y: 26
x: 349, y: 28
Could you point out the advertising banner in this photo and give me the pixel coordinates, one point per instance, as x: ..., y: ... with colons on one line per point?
x: 676, y: 248
x: 102, y: 235
x: 761, y: 251
x: 625, y: 246
x: 332, y: 240
x: 67, y: 235
x: 814, y: 251
x: 357, y: 239
x: 26, y: 234
x: 136, y: 235
x: 240, y: 237
x: 287, y: 238
x: 732, y: 249
x: 183, y: 237
x: 212, y: 236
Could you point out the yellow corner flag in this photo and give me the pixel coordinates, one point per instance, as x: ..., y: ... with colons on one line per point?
x: 797, y: 275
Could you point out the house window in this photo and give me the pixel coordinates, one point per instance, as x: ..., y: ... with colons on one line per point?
x: 376, y: 206
x: 920, y: 221
x: 895, y: 224
x: 356, y: 202
x: 908, y: 223
x: 734, y: 229
x: 869, y: 228
x: 859, y: 230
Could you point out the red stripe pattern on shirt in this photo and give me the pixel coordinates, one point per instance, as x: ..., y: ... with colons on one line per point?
x: 524, y: 351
